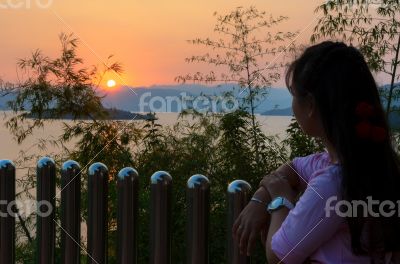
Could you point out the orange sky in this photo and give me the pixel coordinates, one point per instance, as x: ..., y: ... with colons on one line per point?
x: 148, y: 37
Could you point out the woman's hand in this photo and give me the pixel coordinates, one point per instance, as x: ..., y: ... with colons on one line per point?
x: 248, y: 226
x: 254, y: 218
x: 264, y: 236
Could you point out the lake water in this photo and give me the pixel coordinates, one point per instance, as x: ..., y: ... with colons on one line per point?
x: 271, y: 125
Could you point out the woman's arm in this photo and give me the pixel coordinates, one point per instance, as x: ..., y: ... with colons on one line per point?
x: 277, y: 219
x: 294, y: 235
x: 291, y: 176
x: 254, y: 217
x: 277, y: 186
x: 251, y: 221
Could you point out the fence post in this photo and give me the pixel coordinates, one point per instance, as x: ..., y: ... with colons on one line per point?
x: 239, y: 193
x: 128, y: 186
x: 46, y: 191
x: 97, y: 214
x: 7, y: 220
x: 70, y: 212
x: 198, y: 194
x: 160, y: 237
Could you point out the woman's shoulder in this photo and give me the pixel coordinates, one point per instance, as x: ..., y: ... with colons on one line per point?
x: 311, y: 163
x: 318, y: 158
x: 315, y: 155
x: 329, y: 176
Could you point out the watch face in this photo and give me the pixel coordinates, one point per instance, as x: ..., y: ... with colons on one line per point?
x: 276, y: 203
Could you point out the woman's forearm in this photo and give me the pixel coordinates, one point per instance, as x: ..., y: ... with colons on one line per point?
x: 277, y: 219
x: 274, y: 224
x: 263, y: 195
x: 291, y: 175
x: 278, y: 186
x: 287, y: 169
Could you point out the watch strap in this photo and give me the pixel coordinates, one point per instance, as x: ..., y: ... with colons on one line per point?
x: 287, y: 204
x: 284, y: 202
x: 254, y: 199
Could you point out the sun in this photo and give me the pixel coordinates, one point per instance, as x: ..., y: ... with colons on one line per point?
x: 111, y: 83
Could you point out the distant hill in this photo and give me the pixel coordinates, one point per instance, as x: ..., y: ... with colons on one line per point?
x: 4, y: 100
x: 279, y: 112
x: 137, y: 99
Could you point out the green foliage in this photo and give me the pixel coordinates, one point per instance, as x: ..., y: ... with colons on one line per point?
x: 217, y: 146
x: 251, y: 62
x: 108, y: 142
x: 55, y: 87
x: 300, y: 144
x: 397, y: 141
x: 372, y: 27
x: 25, y: 253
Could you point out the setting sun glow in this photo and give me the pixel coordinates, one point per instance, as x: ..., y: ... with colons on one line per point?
x: 111, y: 83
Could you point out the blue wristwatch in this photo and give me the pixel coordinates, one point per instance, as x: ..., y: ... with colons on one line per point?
x: 279, y: 202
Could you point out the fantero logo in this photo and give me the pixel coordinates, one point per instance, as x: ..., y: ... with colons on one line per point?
x: 25, y: 4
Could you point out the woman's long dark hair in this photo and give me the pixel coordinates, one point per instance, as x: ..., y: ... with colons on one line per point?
x: 347, y: 98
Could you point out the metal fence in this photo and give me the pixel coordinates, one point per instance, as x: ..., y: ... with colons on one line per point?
x: 198, y: 193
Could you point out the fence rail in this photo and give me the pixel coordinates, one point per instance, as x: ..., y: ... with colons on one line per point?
x: 198, y: 199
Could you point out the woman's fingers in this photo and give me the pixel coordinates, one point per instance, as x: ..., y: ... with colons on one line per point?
x: 244, y: 240
x: 236, y: 225
x: 263, y: 236
x: 251, y: 242
x: 239, y: 233
x: 238, y: 228
x: 247, y: 227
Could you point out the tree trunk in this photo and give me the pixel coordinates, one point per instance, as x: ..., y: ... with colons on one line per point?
x: 396, y: 61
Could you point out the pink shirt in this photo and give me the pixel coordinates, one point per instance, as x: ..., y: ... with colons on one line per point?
x: 307, y: 230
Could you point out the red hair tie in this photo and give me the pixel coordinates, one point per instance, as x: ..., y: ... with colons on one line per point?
x: 364, y: 128
x: 364, y: 110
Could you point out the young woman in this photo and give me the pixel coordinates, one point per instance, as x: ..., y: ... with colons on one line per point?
x: 349, y: 196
